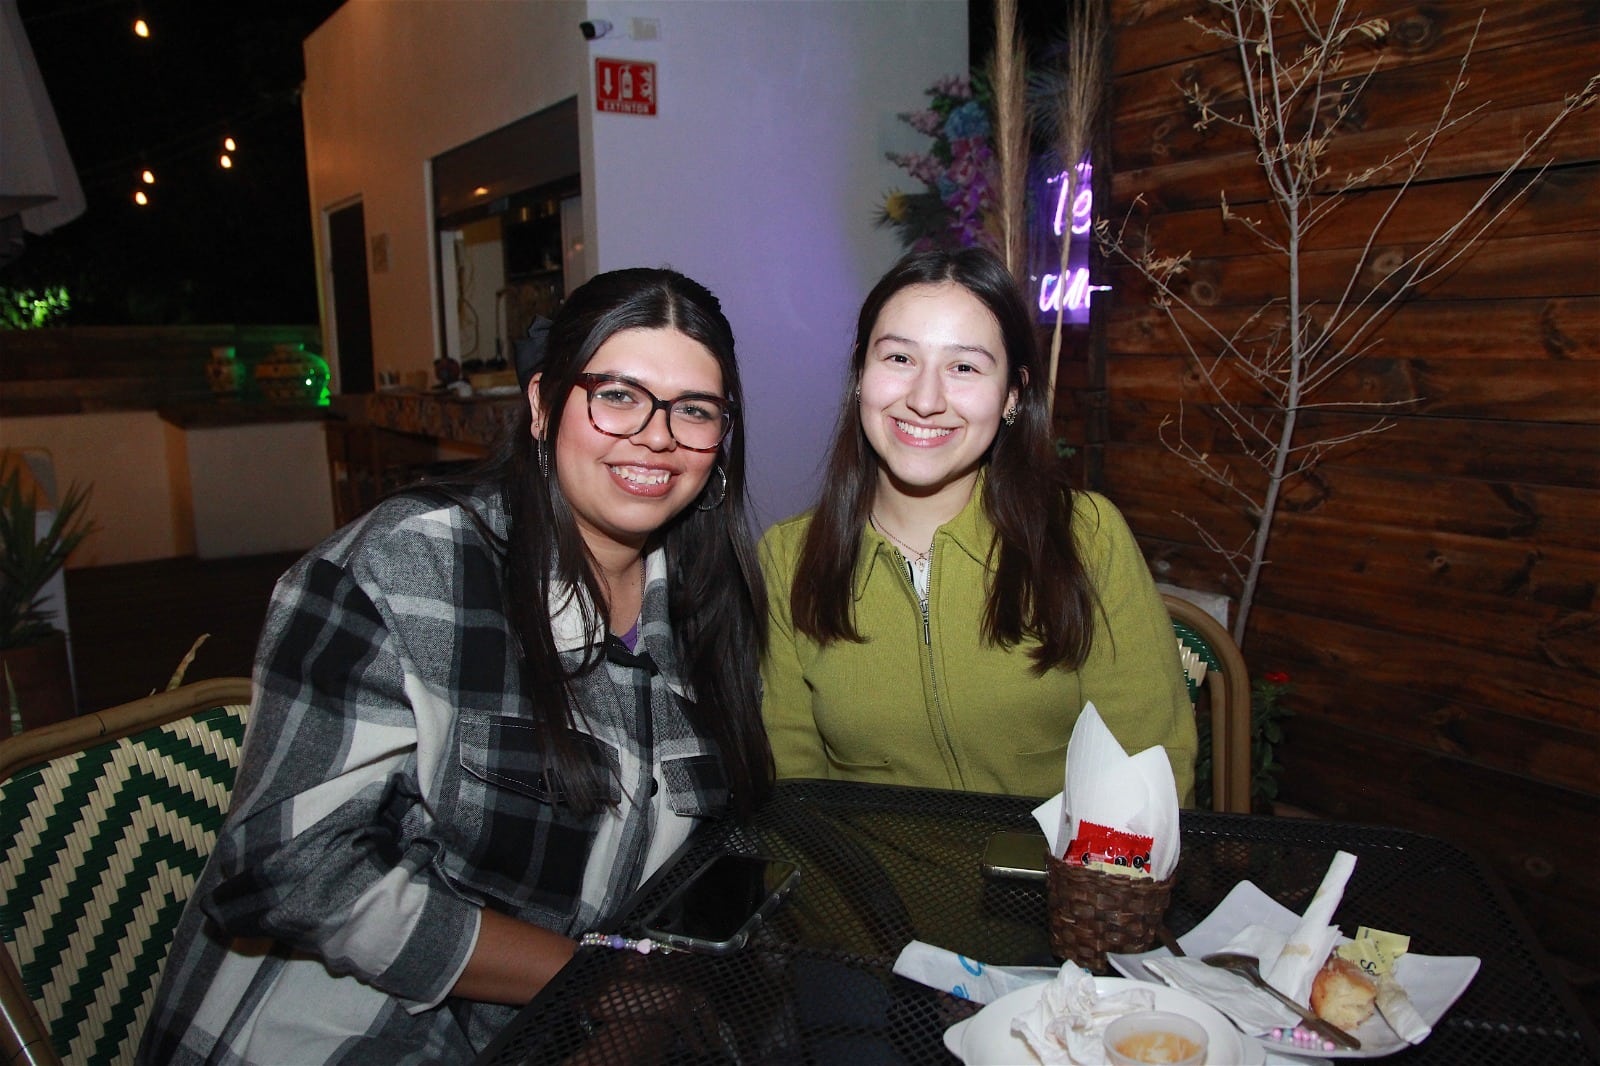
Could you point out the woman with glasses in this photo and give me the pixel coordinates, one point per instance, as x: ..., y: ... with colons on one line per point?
x: 942, y: 615
x: 487, y: 710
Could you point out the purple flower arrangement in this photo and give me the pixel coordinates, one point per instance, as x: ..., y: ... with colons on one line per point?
x: 957, y: 172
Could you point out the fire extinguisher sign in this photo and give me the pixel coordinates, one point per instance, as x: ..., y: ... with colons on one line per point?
x: 625, y: 86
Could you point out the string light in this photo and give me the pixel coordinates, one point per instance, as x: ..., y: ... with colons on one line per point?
x: 141, y: 28
x: 177, y: 152
x: 140, y: 198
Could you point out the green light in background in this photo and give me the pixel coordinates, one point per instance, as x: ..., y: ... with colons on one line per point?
x: 32, y: 309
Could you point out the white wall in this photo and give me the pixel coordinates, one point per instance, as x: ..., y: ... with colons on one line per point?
x: 122, y: 458
x: 157, y: 491
x: 391, y: 84
x: 760, y: 175
x: 254, y: 489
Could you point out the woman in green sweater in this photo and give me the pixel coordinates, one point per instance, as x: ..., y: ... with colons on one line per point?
x: 942, y: 615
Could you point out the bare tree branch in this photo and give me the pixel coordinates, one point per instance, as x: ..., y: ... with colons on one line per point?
x: 1261, y: 375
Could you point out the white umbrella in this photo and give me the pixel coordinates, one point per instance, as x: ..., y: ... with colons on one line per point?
x: 37, y: 179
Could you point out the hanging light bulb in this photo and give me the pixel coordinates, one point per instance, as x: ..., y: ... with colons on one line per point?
x: 228, y: 143
x: 148, y: 177
x: 140, y: 198
x: 225, y: 161
x: 141, y: 28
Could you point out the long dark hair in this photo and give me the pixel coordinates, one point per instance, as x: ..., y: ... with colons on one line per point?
x: 1039, y: 587
x: 716, y: 597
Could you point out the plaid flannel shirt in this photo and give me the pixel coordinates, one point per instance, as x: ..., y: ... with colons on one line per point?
x: 391, y: 786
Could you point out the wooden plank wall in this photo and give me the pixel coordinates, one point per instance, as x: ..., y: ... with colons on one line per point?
x: 1432, y: 591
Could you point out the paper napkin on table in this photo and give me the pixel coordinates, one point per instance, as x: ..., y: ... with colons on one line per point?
x: 962, y: 977
x: 1068, y: 1024
x: 1377, y: 952
x: 1106, y: 787
x: 1313, y: 939
x: 1289, y: 963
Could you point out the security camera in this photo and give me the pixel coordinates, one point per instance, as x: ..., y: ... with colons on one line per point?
x: 596, y: 28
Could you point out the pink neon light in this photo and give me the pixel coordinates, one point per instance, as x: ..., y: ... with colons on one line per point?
x: 1075, y: 292
x: 1082, y: 202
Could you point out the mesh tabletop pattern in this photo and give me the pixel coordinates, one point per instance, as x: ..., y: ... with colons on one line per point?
x: 885, y: 865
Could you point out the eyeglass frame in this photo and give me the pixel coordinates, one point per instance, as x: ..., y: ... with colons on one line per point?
x: 590, y: 382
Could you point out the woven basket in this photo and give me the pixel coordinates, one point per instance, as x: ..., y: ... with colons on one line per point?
x: 1092, y: 912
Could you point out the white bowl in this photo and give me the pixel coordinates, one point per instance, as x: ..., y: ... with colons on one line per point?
x: 1155, y: 1036
x: 985, y: 1039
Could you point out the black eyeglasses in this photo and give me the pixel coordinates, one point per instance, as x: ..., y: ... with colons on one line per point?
x: 618, y: 407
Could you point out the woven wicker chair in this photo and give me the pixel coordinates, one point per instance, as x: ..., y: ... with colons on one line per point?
x: 105, y: 824
x: 1211, y: 658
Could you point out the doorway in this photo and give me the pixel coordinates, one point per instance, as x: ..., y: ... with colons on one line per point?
x: 352, y: 311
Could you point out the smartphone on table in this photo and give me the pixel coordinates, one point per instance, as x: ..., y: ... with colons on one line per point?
x: 1016, y: 854
x: 716, y: 910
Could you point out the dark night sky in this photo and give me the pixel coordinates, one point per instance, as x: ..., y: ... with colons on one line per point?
x: 214, y: 245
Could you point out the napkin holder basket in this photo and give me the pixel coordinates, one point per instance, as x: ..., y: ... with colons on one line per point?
x: 1092, y: 912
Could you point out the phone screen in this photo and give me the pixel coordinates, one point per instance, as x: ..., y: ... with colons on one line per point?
x: 715, y: 907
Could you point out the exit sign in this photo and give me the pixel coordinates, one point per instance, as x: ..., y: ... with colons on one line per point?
x: 625, y: 86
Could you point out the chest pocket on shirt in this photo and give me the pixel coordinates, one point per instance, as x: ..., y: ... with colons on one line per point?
x: 523, y: 843
x: 696, y: 784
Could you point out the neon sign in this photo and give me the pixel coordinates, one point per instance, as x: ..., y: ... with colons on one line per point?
x: 1071, y: 218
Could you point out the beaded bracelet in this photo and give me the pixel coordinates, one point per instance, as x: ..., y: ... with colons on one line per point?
x: 622, y: 943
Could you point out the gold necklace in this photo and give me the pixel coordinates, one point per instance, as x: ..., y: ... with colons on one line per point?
x: 877, y: 523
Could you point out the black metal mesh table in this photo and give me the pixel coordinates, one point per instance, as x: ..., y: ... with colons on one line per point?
x: 884, y: 865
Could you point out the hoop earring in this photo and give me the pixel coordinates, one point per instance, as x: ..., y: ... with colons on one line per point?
x: 722, y: 492
x: 1010, y: 417
x: 544, y: 457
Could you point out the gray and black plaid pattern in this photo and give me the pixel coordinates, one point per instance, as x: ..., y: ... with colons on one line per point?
x: 392, y: 784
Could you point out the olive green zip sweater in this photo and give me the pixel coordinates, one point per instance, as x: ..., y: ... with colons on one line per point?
x: 928, y: 701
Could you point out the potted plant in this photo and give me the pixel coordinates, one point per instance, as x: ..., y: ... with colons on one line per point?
x: 33, y: 652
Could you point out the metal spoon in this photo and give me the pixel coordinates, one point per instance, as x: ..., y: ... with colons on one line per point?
x: 1249, y: 967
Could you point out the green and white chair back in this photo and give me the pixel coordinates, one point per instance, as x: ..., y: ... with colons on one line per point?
x: 106, y: 822
x: 1213, y: 665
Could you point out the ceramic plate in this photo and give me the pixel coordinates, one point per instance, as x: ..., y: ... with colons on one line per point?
x: 985, y: 1039
x: 1431, y: 982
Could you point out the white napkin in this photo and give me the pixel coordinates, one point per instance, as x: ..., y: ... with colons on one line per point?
x: 1313, y: 939
x: 1398, y: 1011
x: 962, y: 977
x: 1289, y: 963
x: 1251, y: 1009
x: 1068, y: 1024
x: 1106, y: 786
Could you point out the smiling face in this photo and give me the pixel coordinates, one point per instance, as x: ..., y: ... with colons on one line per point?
x: 934, y: 385
x: 622, y: 489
